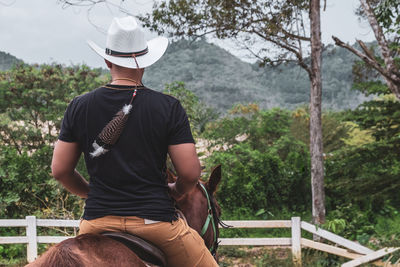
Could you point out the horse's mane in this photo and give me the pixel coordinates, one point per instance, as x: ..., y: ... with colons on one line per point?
x: 62, y: 255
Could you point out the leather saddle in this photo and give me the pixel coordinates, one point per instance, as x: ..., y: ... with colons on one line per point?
x: 142, y: 248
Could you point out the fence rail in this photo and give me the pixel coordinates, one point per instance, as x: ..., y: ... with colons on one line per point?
x: 351, y: 250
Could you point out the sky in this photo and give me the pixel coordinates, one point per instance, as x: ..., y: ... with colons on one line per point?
x: 45, y: 31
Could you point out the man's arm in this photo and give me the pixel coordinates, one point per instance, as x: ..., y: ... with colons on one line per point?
x: 65, y: 158
x: 187, y: 166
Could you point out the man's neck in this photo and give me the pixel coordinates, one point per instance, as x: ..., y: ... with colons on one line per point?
x: 126, y: 81
x: 125, y: 76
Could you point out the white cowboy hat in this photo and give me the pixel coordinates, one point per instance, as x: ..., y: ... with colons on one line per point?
x: 127, y: 45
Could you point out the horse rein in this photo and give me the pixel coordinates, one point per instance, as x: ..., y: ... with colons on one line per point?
x: 210, y: 217
x: 213, y: 218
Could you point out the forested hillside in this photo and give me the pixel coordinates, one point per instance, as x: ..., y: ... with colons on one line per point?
x: 220, y: 79
x: 7, y: 61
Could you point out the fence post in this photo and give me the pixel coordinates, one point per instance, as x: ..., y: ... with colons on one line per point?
x: 31, y: 234
x: 296, y: 241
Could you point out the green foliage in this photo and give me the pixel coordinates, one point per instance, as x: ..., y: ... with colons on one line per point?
x: 388, y: 223
x: 388, y: 15
x: 242, y: 167
x: 264, y: 166
x: 224, y: 18
x: 366, y: 175
x: 198, y: 112
x: 28, y: 189
x: 356, y: 136
x: 32, y: 103
x: 334, y: 131
x: 381, y: 116
x: 260, y: 129
x: 354, y: 223
x: 336, y: 225
x: 34, y: 98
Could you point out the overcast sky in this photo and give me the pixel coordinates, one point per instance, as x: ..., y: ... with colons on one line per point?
x: 43, y: 31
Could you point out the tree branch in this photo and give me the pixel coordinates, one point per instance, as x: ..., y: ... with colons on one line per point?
x: 287, y: 47
x: 393, y: 84
x: 380, y: 37
x: 366, y: 49
x: 364, y: 57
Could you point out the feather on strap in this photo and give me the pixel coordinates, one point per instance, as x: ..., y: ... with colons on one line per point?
x: 112, y: 131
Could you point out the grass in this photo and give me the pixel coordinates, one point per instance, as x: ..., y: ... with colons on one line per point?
x: 19, y: 262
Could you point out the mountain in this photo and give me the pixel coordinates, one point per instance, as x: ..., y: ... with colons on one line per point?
x: 7, y: 61
x: 291, y: 83
x: 221, y: 80
x: 214, y: 75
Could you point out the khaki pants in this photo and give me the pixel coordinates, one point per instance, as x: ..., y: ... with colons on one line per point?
x: 182, y: 245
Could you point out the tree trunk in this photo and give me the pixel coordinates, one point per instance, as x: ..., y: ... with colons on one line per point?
x: 317, y: 164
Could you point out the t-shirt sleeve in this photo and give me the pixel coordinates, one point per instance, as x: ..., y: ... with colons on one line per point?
x: 67, y: 124
x: 179, y: 128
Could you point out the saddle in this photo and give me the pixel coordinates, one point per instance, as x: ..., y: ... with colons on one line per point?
x: 142, y: 248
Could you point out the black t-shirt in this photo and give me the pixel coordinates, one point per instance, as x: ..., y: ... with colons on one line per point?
x: 130, y: 179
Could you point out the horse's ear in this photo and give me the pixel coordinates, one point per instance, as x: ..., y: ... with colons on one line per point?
x: 214, y: 180
x: 171, y: 178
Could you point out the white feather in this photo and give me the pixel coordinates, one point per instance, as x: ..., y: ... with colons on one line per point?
x: 126, y: 109
x: 98, y: 150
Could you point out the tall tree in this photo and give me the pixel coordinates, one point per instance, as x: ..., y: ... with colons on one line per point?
x: 273, y: 31
x: 385, y: 16
x: 283, y: 24
x: 316, y: 150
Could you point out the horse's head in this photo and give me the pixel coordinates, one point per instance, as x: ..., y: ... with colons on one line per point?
x: 201, y: 209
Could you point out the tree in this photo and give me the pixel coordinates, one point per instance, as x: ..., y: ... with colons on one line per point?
x: 33, y: 99
x: 386, y: 16
x: 281, y: 24
x: 368, y: 167
x: 316, y: 149
x: 199, y: 113
x: 266, y: 168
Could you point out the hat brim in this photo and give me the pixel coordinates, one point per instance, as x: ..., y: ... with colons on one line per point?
x: 156, y: 46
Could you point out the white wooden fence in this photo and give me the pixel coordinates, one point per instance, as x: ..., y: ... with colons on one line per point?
x: 349, y: 249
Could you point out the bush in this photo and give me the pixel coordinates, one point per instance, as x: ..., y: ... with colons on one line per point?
x: 267, y: 170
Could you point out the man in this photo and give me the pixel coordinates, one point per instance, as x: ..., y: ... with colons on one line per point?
x: 125, y: 131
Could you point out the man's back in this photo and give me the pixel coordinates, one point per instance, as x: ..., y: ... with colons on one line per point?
x: 129, y: 180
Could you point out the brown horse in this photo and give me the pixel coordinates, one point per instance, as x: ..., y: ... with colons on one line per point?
x: 199, y: 207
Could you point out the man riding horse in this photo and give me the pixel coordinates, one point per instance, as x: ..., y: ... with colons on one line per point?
x: 125, y: 132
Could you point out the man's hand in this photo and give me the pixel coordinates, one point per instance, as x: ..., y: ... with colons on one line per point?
x: 173, y: 191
